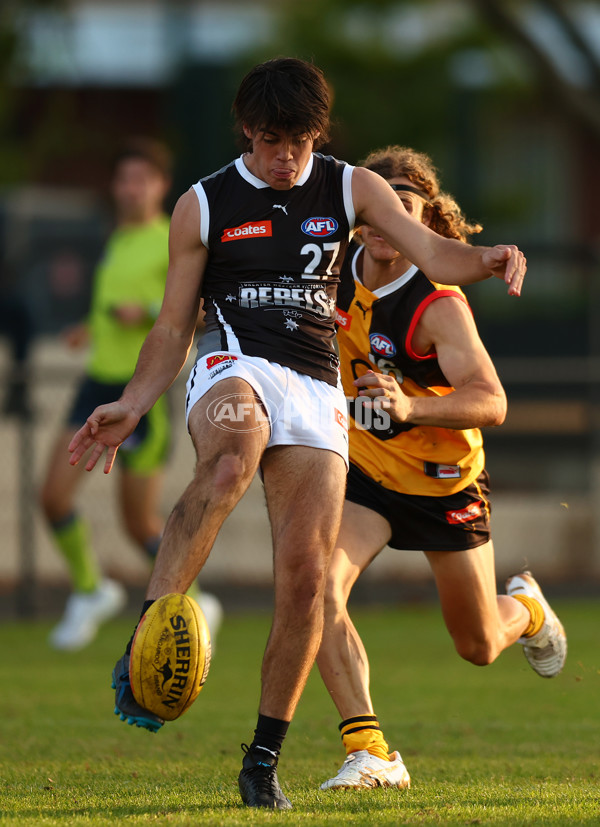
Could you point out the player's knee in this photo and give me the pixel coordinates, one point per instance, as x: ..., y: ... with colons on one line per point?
x: 53, y: 504
x: 335, y: 598
x: 478, y: 651
x: 230, y: 473
x: 306, y: 585
x: 330, y: 606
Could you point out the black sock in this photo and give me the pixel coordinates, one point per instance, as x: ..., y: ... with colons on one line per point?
x: 146, y: 606
x: 269, y: 733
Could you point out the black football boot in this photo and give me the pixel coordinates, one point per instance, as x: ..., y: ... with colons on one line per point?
x: 258, y: 782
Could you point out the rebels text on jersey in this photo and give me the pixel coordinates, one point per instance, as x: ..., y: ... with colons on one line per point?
x: 274, y: 261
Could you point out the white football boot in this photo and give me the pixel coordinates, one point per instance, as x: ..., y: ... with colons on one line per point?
x: 84, y: 613
x: 212, y: 610
x: 546, y: 651
x: 363, y: 770
x: 213, y: 613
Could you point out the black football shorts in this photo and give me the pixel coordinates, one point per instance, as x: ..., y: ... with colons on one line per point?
x: 147, y: 449
x: 453, y: 523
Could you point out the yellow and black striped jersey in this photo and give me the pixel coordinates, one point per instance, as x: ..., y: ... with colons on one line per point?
x: 375, y: 332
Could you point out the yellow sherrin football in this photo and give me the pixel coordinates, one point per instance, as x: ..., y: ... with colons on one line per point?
x: 170, y: 656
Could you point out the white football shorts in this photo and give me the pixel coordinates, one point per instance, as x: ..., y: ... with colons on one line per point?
x: 300, y: 410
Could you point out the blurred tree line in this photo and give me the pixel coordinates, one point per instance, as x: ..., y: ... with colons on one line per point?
x: 422, y: 92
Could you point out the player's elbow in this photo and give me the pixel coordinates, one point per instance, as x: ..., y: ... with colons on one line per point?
x: 496, y: 414
x: 495, y: 409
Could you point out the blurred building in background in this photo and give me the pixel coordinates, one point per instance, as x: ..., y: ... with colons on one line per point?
x: 504, y: 95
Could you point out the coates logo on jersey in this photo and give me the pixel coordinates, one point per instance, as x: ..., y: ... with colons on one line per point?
x: 382, y: 345
x: 464, y: 515
x: 251, y: 229
x: 319, y: 227
x: 217, y: 358
x: 343, y: 319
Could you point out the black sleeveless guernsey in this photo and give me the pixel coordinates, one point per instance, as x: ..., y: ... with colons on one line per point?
x: 274, y: 263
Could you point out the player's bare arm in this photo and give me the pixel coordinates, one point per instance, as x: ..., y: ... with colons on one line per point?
x: 166, y: 347
x: 445, y: 260
x: 478, y: 398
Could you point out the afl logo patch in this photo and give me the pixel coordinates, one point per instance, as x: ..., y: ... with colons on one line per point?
x: 319, y: 227
x: 382, y: 345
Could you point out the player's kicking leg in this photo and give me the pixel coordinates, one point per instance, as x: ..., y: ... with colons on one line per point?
x: 227, y: 463
x: 343, y: 662
x: 139, y: 496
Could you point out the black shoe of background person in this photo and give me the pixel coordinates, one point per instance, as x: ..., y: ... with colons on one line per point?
x: 258, y: 782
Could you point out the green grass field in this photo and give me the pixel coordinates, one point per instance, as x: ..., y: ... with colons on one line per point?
x: 494, y: 745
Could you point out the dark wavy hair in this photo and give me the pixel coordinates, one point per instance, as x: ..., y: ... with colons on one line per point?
x: 284, y: 93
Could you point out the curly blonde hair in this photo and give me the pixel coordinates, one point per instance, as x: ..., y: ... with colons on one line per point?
x: 447, y: 218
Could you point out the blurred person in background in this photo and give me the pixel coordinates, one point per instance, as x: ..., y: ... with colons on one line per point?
x: 261, y: 241
x: 417, y: 476
x: 128, y: 290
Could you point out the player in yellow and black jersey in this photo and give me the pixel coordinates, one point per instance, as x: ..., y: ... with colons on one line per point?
x: 420, y: 384
x: 377, y: 333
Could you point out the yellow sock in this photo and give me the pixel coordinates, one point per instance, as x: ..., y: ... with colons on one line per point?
x: 536, y: 613
x: 363, y: 732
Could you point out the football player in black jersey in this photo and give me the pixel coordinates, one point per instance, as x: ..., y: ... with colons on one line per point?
x: 273, y: 358
x: 421, y: 482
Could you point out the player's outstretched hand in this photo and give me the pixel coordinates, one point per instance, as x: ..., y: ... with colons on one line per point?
x: 507, y: 262
x: 107, y: 427
x: 383, y: 391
